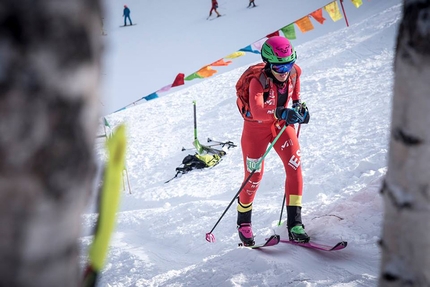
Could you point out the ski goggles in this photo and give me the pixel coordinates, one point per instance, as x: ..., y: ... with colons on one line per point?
x: 282, y: 68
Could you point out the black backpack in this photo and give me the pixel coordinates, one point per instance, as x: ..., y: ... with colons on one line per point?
x: 196, y: 161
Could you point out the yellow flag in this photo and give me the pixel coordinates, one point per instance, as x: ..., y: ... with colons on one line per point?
x: 235, y: 55
x: 333, y: 10
x: 357, y: 3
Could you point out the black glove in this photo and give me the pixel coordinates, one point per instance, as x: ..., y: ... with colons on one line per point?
x: 290, y: 116
x: 302, y: 109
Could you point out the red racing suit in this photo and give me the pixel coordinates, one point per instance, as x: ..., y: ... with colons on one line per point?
x: 260, y: 131
x: 213, y: 7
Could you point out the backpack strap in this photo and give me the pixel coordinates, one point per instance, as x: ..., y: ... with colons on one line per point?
x: 266, y: 83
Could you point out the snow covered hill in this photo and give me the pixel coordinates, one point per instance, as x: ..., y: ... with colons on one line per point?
x: 160, y: 234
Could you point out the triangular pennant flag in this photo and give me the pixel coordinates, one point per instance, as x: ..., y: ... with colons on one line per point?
x: 289, y: 31
x: 165, y: 88
x: 206, y: 72
x: 333, y: 10
x: 150, y: 97
x: 249, y: 49
x: 273, y: 34
x: 221, y: 62
x: 319, y: 16
x: 235, y: 55
x: 357, y: 3
x: 192, y: 77
x: 256, y: 46
x: 304, y: 24
x: 179, y: 80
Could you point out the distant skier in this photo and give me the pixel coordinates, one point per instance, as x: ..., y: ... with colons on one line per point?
x: 213, y: 8
x: 251, y: 2
x: 126, y: 15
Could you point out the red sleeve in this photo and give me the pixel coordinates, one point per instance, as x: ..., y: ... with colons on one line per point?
x: 260, y: 110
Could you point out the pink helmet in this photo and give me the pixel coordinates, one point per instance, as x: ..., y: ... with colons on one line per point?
x: 278, y: 50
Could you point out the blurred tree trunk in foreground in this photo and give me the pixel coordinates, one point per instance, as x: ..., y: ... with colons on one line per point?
x: 49, y: 77
x: 406, y: 190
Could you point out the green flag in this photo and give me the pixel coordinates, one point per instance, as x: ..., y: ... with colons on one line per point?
x: 289, y: 31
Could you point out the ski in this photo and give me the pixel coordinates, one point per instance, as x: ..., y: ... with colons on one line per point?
x: 271, y: 241
x: 318, y: 246
x: 127, y: 25
x: 210, y: 19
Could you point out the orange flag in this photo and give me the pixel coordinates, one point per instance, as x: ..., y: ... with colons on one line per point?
x: 304, y: 24
x: 318, y: 16
x: 206, y: 72
x: 221, y: 62
x: 333, y: 10
x: 357, y: 3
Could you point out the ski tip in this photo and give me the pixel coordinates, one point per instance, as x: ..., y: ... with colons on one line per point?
x: 340, y: 245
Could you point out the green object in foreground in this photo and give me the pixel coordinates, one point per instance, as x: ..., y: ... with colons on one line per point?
x: 110, y: 197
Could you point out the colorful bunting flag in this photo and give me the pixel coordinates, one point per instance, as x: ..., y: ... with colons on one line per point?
x: 165, y: 88
x: 304, y: 24
x: 206, y: 72
x: 221, y: 62
x: 289, y: 31
x: 150, y: 97
x: 235, y: 55
x: 192, y: 77
x: 257, y: 45
x: 333, y: 10
x: 273, y: 34
x: 249, y: 49
x: 357, y: 3
x: 179, y: 80
x: 318, y: 16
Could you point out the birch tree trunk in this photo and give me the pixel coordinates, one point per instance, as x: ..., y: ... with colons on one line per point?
x: 406, y: 190
x: 49, y: 77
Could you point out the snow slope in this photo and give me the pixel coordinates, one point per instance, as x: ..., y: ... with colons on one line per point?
x: 160, y: 234
x: 174, y: 37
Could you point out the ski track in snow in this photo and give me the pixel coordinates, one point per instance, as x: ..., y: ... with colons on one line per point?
x: 160, y: 236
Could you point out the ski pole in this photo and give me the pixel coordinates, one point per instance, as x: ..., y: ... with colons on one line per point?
x: 285, y: 196
x: 196, y: 142
x: 229, y: 143
x: 209, y: 236
x: 191, y: 148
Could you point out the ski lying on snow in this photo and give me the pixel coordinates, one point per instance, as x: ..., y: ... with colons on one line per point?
x: 318, y: 246
x: 271, y: 241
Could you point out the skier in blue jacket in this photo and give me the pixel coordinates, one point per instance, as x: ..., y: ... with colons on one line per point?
x: 126, y: 15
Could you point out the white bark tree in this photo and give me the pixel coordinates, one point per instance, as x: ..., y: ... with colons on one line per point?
x: 406, y: 191
x: 49, y: 77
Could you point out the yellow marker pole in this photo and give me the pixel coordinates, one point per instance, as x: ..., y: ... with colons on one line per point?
x: 109, y: 203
